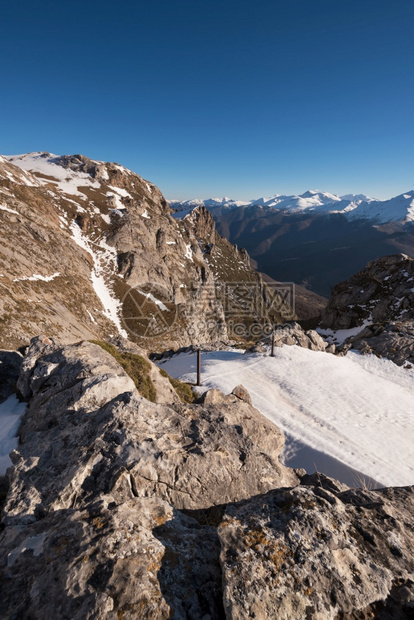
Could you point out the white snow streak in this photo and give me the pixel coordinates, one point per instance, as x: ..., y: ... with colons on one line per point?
x: 339, y: 336
x: 35, y: 277
x: 156, y: 301
x: 188, y: 254
x: 104, y: 259
x: 5, y: 208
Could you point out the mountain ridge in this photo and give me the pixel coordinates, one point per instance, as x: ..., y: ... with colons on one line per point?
x: 400, y: 208
x: 80, y: 234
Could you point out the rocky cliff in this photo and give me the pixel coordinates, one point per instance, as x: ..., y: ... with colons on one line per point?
x: 120, y: 507
x: 89, y: 249
x: 380, y: 300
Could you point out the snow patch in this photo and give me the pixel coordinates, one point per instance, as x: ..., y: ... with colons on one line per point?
x: 156, y: 301
x: 338, y: 336
x: 35, y: 277
x: 90, y: 316
x: 188, y: 253
x: 117, y: 200
x: 5, y: 208
x: 119, y: 190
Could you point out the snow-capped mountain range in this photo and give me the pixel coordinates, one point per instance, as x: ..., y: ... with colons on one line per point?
x: 353, y: 206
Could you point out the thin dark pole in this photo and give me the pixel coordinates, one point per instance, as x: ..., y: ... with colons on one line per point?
x: 198, y: 367
x: 272, y: 352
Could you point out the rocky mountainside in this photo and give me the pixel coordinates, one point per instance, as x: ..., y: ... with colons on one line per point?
x: 380, y: 301
x: 120, y: 507
x: 89, y: 250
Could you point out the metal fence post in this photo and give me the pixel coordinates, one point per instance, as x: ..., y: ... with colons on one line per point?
x: 198, y: 367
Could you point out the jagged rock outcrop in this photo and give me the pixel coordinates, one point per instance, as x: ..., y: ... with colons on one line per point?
x: 87, y: 422
x: 293, y: 334
x: 380, y: 300
x: 394, y: 340
x: 382, y: 292
x: 121, y: 507
x: 319, y: 551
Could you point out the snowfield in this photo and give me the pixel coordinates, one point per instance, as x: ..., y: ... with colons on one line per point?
x: 350, y: 417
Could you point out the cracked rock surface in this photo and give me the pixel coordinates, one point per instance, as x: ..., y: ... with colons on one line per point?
x: 123, y: 508
x: 321, y: 551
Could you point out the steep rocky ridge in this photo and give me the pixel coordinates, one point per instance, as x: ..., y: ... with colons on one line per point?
x: 380, y: 300
x: 119, y: 507
x: 89, y: 250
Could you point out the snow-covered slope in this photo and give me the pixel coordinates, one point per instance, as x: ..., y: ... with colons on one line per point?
x: 309, y: 201
x: 398, y: 209
x: 356, y: 409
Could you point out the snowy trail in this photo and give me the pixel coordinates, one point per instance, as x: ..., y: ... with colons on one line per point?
x: 356, y: 409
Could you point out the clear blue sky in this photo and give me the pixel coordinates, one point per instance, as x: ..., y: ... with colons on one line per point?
x: 217, y: 97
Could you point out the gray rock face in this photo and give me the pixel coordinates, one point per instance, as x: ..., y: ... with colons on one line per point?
x: 392, y: 340
x: 10, y: 363
x: 117, y: 228
x: 381, y: 296
x: 382, y: 292
x: 88, y: 432
x: 319, y: 552
x: 293, y: 334
x: 139, y: 559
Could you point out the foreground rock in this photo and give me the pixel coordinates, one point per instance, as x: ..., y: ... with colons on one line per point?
x: 319, y: 551
x: 120, y: 507
x: 88, y: 432
x: 139, y: 559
